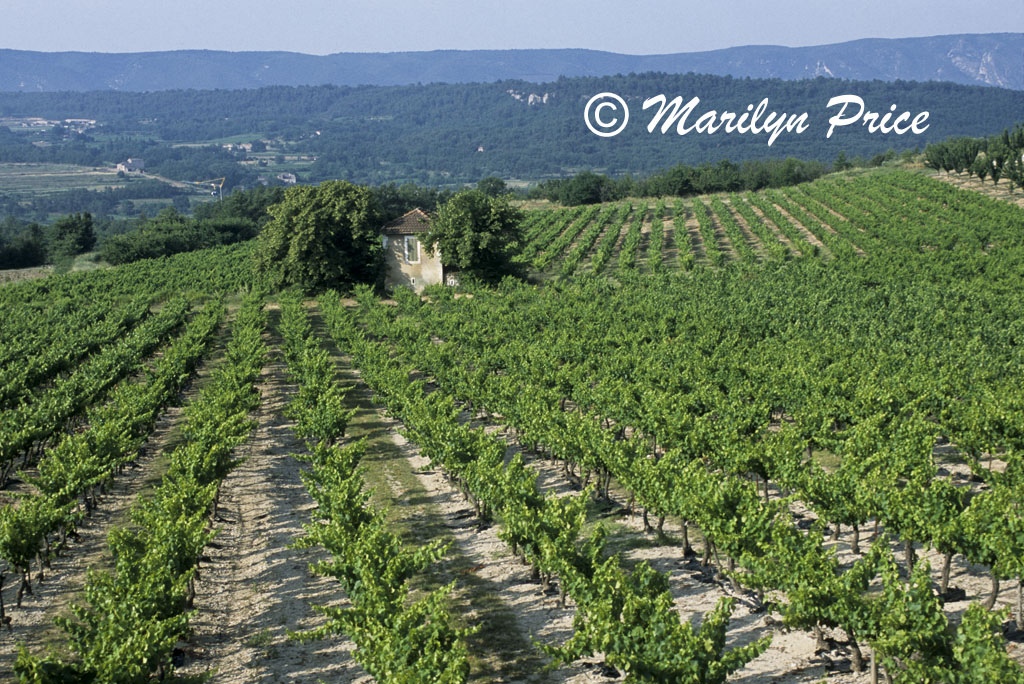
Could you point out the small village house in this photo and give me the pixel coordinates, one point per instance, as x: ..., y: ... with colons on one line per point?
x: 406, y: 260
x: 132, y: 165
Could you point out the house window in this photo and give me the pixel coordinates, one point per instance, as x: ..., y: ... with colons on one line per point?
x: 412, y: 250
x: 384, y: 241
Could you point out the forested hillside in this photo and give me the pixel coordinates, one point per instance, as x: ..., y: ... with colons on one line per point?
x: 450, y: 134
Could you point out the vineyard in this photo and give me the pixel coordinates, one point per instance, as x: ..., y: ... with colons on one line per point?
x: 770, y: 436
x: 836, y: 216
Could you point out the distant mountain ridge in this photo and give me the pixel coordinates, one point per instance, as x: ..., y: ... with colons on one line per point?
x: 995, y: 59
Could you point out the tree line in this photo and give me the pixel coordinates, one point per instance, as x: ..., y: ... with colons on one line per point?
x: 239, y: 216
x: 680, y: 180
x: 27, y: 245
x: 996, y: 157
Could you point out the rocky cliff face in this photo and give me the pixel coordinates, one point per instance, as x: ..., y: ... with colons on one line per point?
x: 986, y: 59
x: 987, y: 66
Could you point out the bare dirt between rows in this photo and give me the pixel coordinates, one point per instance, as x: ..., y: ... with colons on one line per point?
x: 722, y: 240
x: 586, y: 264
x: 642, y: 256
x: 670, y: 247
x: 998, y: 191
x: 613, y: 259
x: 791, y: 658
x: 808, y: 235
x: 753, y: 241
x: 493, y: 590
x: 32, y: 624
x: 779, y: 235
x: 561, y: 233
x: 254, y: 588
x: 816, y: 214
x: 576, y: 242
x: 697, y: 246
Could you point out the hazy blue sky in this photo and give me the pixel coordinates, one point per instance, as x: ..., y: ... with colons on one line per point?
x: 633, y: 26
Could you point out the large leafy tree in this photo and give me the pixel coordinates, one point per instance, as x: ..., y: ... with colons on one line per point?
x: 477, y: 234
x: 321, y: 237
x: 492, y: 185
x: 71, y: 235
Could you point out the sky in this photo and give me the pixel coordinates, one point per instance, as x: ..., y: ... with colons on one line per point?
x: 629, y: 26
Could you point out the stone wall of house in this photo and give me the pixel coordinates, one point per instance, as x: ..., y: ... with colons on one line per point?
x: 427, y: 271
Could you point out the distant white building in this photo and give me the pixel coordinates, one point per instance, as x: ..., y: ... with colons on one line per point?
x: 132, y: 165
x: 80, y: 125
x: 287, y: 178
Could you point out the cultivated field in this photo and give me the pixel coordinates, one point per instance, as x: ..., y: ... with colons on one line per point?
x: 44, y: 179
x: 757, y: 437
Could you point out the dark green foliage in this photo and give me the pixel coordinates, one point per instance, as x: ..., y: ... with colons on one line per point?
x: 22, y: 245
x: 322, y: 237
x: 250, y: 205
x: 680, y: 180
x: 586, y: 187
x: 1000, y: 156
x: 70, y: 235
x: 236, y: 218
x: 172, y: 233
x: 395, y: 200
x: 477, y: 235
x: 492, y: 186
x: 430, y: 134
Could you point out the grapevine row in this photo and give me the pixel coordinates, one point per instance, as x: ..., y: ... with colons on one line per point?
x: 73, y: 473
x: 397, y: 639
x: 707, y: 234
x: 630, y: 243
x: 627, y: 616
x: 586, y: 241
x: 24, y: 430
x: 682, y: 236
x: 657, y: 238
x: 732, y: 230
x: 131, y: 618
x: 611, y: 237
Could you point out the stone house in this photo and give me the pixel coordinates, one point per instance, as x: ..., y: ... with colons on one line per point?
x: 405, y: 258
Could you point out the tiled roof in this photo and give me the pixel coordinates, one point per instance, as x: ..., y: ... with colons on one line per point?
x: 415, y: 221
